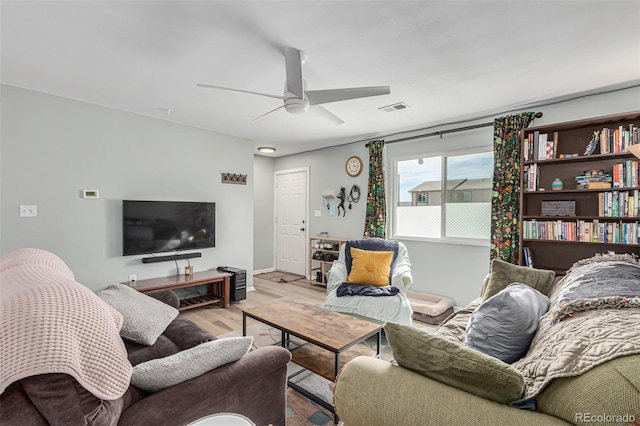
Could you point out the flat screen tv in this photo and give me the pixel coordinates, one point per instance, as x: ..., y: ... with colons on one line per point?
x: 163, y: 226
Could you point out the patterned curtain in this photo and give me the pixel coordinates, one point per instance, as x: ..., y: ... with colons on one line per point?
x: 375, y: 222
x: 505, y: 197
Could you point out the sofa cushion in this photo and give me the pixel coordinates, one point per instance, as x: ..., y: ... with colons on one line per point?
x: 181, y: 334
x: 160, y: 373
x: 60, y: 399
x: 454, y: 364
x: 504, y: 325
x: 611, y: 388
x: 503, y: 273
x: 144, y: 318
x: 370, y: 267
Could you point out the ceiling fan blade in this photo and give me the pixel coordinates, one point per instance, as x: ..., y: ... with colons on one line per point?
x: 209, y: 86
x: 328, y: 115
x: 293, y: 65
x: 268, y: 113
x: 317, y: 97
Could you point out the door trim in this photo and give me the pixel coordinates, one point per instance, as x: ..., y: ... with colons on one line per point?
x: 276, y: 173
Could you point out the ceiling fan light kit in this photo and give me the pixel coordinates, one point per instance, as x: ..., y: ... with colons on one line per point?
x: 297, y: 99
x: 295, y: 105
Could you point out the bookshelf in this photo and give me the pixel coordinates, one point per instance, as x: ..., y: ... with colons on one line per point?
x: 323, y: 252
x: 597, y: 208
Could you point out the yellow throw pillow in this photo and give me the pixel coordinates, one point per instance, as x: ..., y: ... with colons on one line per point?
x: 370, y: 267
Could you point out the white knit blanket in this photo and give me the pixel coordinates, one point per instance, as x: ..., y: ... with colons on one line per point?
x: 49, y: 323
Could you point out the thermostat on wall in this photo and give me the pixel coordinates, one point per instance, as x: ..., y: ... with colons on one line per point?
x: 90, y: 193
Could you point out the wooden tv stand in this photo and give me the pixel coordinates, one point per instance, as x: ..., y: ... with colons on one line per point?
x: 218, y: 287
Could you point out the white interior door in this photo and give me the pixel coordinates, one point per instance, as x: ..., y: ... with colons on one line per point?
x: 291, y: 221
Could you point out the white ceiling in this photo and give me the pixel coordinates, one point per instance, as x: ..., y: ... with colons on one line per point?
x: 448, y: 60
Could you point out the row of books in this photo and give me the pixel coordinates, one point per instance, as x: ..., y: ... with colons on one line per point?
x: 544, y: 146
x: 582, y: 230
x: 619, y: 204
x: 618, y: 139
x: 626, y: 174
x: 540, y: 146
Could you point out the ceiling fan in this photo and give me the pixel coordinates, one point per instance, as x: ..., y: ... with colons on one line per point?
x: 297, y: 99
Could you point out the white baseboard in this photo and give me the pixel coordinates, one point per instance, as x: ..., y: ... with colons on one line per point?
x: 263, y: 271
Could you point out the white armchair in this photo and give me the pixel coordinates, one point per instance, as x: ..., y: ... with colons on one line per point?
x: 380, y: 309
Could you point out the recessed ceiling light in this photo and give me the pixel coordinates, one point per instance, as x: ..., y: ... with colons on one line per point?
x: 266, y: 149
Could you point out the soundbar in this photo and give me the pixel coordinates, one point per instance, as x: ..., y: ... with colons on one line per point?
x: 155, y: 259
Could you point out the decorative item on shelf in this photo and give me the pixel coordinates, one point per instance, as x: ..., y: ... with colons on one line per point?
x: 234, y: 178
x: 557, y: 184
x: 188, y: 270
x: 593, y: 143
x: 558, y: 208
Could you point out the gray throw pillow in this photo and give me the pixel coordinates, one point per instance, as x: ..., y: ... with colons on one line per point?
x: 161, y: 373
x: 453, y: 364
x: 144, y: 318
x: 503, y: 273
x: 504, y: 325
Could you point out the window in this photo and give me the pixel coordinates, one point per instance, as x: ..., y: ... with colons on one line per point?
x: 463, y: 212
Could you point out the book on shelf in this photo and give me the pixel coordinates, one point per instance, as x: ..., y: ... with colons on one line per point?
x: 528, y: 257
x: 616, y: 140
x: 540, y: 146
x: 530, y: 177
x: 594, y: 179
x: 626, y: 174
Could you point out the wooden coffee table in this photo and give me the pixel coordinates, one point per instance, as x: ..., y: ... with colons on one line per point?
x: 332, y: 331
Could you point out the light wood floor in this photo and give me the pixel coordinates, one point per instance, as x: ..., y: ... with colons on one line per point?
x: 220, y: 321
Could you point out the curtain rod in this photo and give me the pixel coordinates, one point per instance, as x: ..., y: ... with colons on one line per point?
x: 444, y: 132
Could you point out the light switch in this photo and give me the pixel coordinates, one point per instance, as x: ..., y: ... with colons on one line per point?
x: 28, y: 210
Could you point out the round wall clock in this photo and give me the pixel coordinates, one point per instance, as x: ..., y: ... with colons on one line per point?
x: 353, y: 166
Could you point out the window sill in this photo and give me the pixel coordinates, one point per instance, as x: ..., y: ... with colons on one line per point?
x: 455, y: 241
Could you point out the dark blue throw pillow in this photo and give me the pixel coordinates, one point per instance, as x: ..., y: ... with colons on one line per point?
x: 372, y: 244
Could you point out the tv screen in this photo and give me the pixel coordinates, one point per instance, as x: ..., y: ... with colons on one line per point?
x: 162, y: 226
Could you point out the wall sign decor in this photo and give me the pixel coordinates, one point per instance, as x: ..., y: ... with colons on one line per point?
x: 234, y: 178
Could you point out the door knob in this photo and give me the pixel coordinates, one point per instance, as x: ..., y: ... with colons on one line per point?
x: 302, y: 229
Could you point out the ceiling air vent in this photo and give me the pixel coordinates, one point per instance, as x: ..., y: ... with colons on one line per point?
x: 395, y: 107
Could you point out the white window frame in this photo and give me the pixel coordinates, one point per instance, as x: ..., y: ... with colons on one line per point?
x: 392, y: 202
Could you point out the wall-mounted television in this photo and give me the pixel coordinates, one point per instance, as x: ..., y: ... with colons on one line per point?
x: 163, y: 226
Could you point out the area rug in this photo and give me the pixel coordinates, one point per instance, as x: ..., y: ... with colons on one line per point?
x: 301, y: 411
x: 280, y: 277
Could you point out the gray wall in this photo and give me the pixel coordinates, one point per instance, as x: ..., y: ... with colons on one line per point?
x: 263, y: 223
x: 327, y: 172
x: 452, y: 270
x: 54, y: 147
